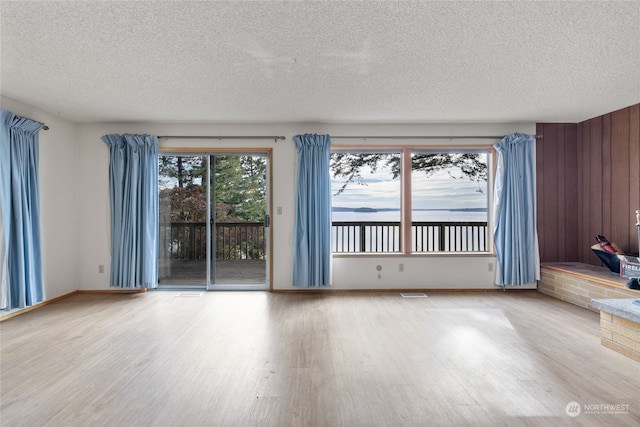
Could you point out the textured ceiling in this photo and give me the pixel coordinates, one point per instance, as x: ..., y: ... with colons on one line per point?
x: 341, y: 62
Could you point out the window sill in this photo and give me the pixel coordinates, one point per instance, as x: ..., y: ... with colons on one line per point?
x: 414, y: 255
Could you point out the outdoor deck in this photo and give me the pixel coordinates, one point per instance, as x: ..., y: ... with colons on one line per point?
x: 227, y: 272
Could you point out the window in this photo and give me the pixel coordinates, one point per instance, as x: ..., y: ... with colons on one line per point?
x: 366, y: 201
x: 449, y: 201
x: 445, y: 208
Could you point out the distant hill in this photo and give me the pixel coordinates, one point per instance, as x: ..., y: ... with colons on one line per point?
x: 469, y: 210
x: 363, y: 209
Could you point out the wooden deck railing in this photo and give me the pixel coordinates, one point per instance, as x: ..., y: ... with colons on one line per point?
x: 246, y: 240
x: 372, y: 237
x: 233, y: 240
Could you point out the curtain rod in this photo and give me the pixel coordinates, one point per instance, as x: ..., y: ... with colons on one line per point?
x: 423, y: 137
x: 275, y: 138
x: 44, y: 127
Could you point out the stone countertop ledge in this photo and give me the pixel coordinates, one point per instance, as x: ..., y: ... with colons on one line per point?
x: 625, y: 308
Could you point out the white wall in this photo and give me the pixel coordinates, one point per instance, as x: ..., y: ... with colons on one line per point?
x: 75, y: 202
x: 59, y: 207
x: 353, y: 272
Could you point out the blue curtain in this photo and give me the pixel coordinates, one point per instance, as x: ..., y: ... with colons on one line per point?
x: 515, y: 235
x: 133, y: 191
x: 20, y: 253
x: 312, y: 236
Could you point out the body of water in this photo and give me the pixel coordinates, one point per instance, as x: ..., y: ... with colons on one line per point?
x: 417, y: 216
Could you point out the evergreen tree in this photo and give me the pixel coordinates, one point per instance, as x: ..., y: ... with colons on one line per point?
x: 182, y: 196
x: 239, y: 191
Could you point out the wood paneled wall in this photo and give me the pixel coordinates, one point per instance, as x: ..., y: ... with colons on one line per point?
x: 588, y: 182
x: 557, y: 182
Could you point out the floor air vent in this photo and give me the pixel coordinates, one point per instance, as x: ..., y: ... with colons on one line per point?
x: 189, y: 294
x: 413, y: 295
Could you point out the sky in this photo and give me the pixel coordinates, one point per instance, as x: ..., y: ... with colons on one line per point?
x: 438, y: 191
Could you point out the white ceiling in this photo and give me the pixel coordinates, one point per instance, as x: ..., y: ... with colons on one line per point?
x: 338, y: 62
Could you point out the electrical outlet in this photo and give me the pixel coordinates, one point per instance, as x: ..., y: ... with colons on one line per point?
x: 401, y: 267
x: 279, y: 210
x: 490, y: 266
x: 101, y: 269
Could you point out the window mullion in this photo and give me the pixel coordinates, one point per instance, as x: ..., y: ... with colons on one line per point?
x: 405, y: 200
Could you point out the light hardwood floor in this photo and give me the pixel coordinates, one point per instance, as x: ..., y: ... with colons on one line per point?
x: 337, y: 359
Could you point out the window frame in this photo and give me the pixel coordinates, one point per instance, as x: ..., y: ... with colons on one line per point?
x: 406, y: 202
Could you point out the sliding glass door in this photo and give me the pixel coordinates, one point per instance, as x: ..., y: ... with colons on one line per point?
x: 214, y: 220
x: 239, y: 184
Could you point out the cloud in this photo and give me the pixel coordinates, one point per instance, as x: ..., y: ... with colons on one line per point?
x: 439, y: 191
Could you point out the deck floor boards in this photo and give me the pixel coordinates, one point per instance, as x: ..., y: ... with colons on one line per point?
x: 227, y: 272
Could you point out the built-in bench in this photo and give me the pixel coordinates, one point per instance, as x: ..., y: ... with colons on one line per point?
x: 597, y: 289
x: 580, y: 283
x: 620, y: 325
